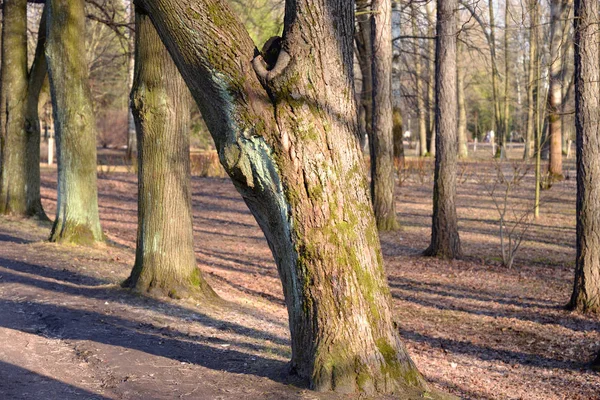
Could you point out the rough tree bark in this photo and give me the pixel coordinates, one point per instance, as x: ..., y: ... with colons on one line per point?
x: 557, y: 11
x: 419, y: 84
x: 37, y: 83
x: 445, y: 241
x: 13, y: 97
x: 586, y: 288
x: 363, y: 46
x: 463, y: 150
x: 77, y: 218
x: 165, y: 262
x: 381, y: 143
x: 286, y: 133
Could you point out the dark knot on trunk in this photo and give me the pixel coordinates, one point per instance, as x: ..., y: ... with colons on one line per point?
x: 271, y: 61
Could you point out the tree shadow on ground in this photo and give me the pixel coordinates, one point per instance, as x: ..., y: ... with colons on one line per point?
x: 20, y: 383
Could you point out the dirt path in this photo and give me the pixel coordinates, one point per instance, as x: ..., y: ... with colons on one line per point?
x: 474, y: 328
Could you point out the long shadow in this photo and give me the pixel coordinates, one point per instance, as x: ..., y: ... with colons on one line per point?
x: 572, y: 323
x: 490, y: 354
x: 13, y: 239
x: 19, y: 383
x: 110, y: 293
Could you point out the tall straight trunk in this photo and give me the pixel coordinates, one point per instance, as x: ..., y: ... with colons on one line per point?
x: 383, y: 177
x: 131, y: 131
x: 431, y: 88
x: 497, y: 122
x: 586, y: 288
x: 165, y: 262
x: 463, y: 150
x: 13, y: 97
x: 555, y: 89
x: 286, y: 133
x: 77, y: 218
x: 364, y: 48
x: 421, y: 114
x: 38, y: 81
x: 398, y: 139
x: 445, y: 241
x: 505, y: 127
x: 532, y: 81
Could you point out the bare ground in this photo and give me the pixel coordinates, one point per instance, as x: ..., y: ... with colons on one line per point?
x: 474, y: 328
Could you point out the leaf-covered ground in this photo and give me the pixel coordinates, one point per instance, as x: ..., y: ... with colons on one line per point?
x: 474, y: 327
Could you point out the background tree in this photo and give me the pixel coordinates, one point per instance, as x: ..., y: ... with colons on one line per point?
x: 301, y: 176
x: 445, y: 241
x: 586, y: 288
x: 383, y: 177
x: 165, y: 261
x: 77, y: 217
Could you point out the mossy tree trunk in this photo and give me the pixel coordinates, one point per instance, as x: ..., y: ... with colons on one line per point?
x: 445, y: 241
x: 383, y: 176
x: 586, y: 288
x: 77, y: 219
x: 38, y: 83
x: 13, y: 95
x: 287, y: 135
x: 165, y: 261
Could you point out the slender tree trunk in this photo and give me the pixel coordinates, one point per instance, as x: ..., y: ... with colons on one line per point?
x: 419, y: 85
x: 77, y: 218
x: 497, y: 127
x: 165, y: 262
x: 445, y: 241
x: 38, y: 81
x: 131, y: 131
x: 383, y: 177
x: 13, y: 95
x: 505, y: 124
x: 555, y: 90
x: 537, y: 95
x: 398, y: 139
x: 463, y: 150
x: 364, y: 48
x: 431, y: 88
x: 532, y: 82
x: 586, y: 288
x: 286, y: 133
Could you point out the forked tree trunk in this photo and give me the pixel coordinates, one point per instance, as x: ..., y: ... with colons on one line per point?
x: 165, y: 262
x: 586, y: 288
x: 383, y: 177
x: 445, y: 241
x: 463, y: 150
x: 38, y: 81
x: 421, y: 114
x: 287, y: 136
x: 13, y: 95
x: 77, y: 218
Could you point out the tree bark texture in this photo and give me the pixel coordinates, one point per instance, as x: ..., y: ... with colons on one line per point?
x: 286, y: 133
x: 165, y: 262
x: 586, y: 288
x: 383, y: 177
x: 557, y: 8
x: 77, y: 218
x: 421, y: 114
x: 445, y: 241
x: 13, y: 95
x: 364, y: 48
x: 38, y: 83
x: 463, y: 150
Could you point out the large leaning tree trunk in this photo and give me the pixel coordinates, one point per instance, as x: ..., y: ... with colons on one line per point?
x: 383, y: 177
x: 77, y: 219
x: 286, y: 133
x: 38, y: 83
x: 165, y: 262
x: 586, y: 289
x: 445, y: 241
x: 13, y: 95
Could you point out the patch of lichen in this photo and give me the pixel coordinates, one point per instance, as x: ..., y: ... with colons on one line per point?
x: 78, y: 234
